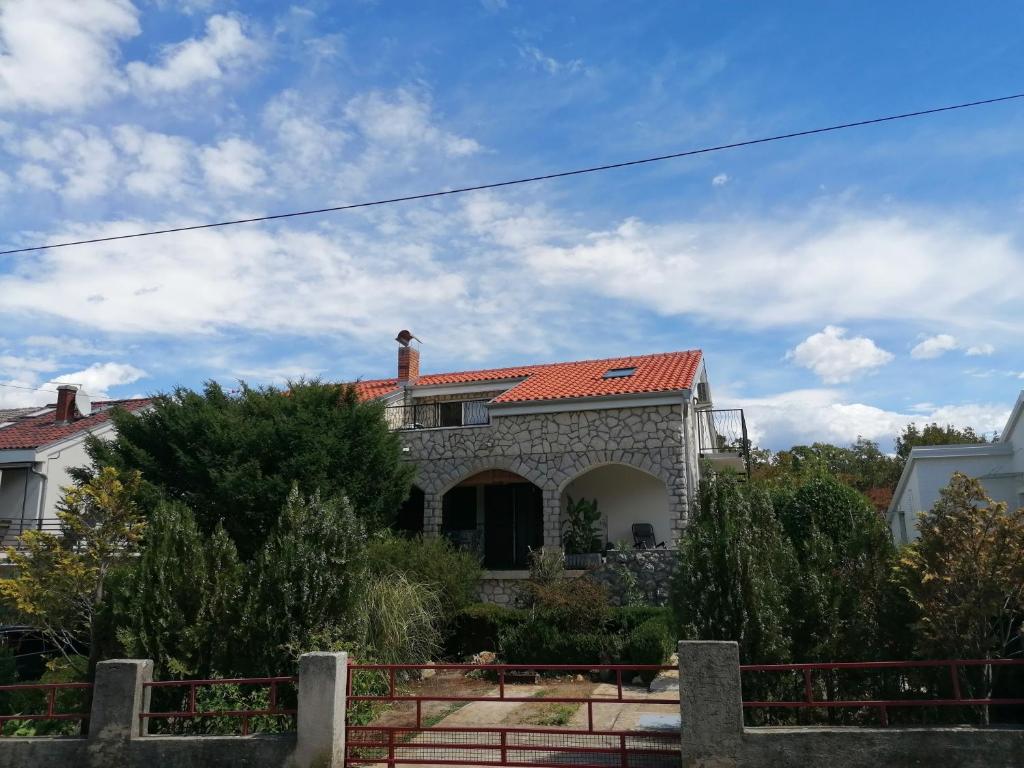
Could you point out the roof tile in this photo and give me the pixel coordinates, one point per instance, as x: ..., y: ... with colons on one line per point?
x: 38, y: 431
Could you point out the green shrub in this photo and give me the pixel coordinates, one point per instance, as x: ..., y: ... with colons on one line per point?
x: 538, y: 641
x: 478, y: 627
x: 452, y: 573
x: 625, y: 620
x: 649, y: 643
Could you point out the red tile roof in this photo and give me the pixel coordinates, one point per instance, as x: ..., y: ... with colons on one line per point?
x: 42, y: 430
x: 667, y: 372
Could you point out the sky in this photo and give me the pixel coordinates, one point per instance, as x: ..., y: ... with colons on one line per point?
x: 840, y: 285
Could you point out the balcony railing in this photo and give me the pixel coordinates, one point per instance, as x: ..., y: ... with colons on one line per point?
x: 10, y: 530
x: 449, y: 413
x: 722, y: 437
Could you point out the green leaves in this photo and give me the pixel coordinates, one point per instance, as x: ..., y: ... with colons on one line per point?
x: 580, y: 532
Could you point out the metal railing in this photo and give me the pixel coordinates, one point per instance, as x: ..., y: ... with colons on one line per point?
x: 10, y: 529
x: 190, y: 709
x: 52, y: 698
x: 909, y: 690
x: 425, y: 739
x: 723, y: 432
x: 448, y: 413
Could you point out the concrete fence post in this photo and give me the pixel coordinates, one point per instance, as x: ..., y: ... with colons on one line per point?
x: 118, y: 696
x: 710, y: 703
x: 320, y: 742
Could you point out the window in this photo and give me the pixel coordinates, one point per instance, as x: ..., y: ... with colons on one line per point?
x: 450, y: 414
x: 618, y: 373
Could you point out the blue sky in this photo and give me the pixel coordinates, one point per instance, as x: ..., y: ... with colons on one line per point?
x: 840, y: 285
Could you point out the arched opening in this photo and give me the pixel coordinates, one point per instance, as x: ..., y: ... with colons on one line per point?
x: 410, y: 515
x: 625, y: 496
x: 498, y: 515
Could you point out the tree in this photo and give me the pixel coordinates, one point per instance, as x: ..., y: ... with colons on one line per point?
x: 934, y: 434
x: 234, y: 460
x: 735, y: 567
x: 180, y: 601
x: 966, y: 574
x: 60, y: 582
x: 845, y: 556
x: 307, y: 578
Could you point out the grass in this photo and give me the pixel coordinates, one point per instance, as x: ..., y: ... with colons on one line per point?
x: 552, y: 714
x: 431, y: 720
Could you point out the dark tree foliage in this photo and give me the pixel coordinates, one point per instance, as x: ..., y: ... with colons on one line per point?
x: 234, y: 459
x: 934, y: 434
x: 842, y: 596
x: 735, y: 570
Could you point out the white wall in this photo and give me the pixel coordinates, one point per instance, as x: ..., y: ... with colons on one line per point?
x: 625, y: 496
x: 55, y: 465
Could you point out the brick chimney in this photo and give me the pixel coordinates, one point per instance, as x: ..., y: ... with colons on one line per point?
x: 408, y: 357
x: 65, y: 403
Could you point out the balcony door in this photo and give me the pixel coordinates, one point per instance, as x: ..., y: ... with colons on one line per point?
x: 513, y: 524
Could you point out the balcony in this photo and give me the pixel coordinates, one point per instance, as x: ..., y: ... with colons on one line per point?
x: 10, y: 529
x: 438, y: 415
x: 722, y: 439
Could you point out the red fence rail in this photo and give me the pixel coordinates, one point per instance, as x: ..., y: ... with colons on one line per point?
x: 190, y: 710
x: 956, y: 698
x: 50, y: 692
x: 423, y: 742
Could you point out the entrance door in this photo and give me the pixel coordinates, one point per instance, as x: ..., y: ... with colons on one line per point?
x: 513, y: 524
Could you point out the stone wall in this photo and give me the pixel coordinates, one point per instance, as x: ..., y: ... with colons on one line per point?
x: 552, y: 449
x: 648, y: 571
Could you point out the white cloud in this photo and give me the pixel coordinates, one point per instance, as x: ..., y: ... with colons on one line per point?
x: 720, y: 180
x: 809, y: 415
x: 934, y: 346
x: 160, y: 163
x: 99, y: 377
x: 537, y: 58
x: 224, y: 48
x: 402, y: 120
x: 831, y: 264
x: 980, y: 350
x: 836, y: 358
x: 61, y: 55
x: 233, y: 165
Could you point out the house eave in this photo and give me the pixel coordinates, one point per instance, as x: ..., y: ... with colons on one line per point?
x: 598, y: 402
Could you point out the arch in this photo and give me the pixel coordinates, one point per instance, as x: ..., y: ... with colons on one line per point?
x: 626, y: 495
x: 643, y: 464
x: 466, y: 470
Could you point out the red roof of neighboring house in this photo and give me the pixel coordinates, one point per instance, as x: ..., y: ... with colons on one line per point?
x: 666, y: 372
x: 38, y: 431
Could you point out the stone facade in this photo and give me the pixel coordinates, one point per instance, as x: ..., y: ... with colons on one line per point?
x: 648, y: 572
x: 550, y: 450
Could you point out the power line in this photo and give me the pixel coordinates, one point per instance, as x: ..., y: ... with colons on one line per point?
x: 30, y: 389
x: 524, y: 180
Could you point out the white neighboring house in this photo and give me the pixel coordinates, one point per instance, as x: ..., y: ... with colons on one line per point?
x: 37, y: 447
x: 999, y: 466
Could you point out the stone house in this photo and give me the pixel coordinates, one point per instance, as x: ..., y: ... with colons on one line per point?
x: 500, y: 452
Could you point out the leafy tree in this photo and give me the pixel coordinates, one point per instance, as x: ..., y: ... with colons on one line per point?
x: 844, y: 559
x: 735, y: 566
x: 60, y: 582
x: 181, y: 598
x: 233, y: 460
x: 934, y: 434
x: 966, y: 574
x: 308, y: 577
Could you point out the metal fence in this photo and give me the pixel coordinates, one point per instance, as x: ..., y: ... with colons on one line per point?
x: 47, y: 703
x: 723, y: 432
x: 449, y: 413
x: 906, y: 685
x: 11, y: 529
x: 424, y: 738
x: 221, y: 706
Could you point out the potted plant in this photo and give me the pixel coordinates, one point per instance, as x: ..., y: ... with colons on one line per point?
x: 580, y: 534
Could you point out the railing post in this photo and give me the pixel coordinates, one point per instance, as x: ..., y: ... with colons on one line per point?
x: 320, y: 741
x: 118, y: 697
x: 710, y: 703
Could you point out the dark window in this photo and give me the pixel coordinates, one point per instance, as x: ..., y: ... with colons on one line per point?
x: 410, y: 514
x: 458, y: 509
x: 618, y: 373
x: 451, y: 414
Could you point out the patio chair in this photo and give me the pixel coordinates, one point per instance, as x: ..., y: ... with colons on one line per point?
x: 643, y: 537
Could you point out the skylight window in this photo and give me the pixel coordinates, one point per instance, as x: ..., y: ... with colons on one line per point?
x: 618, y: 373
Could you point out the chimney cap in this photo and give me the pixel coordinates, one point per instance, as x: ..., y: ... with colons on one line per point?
x: 72, y: 387
x: 404, y: 337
